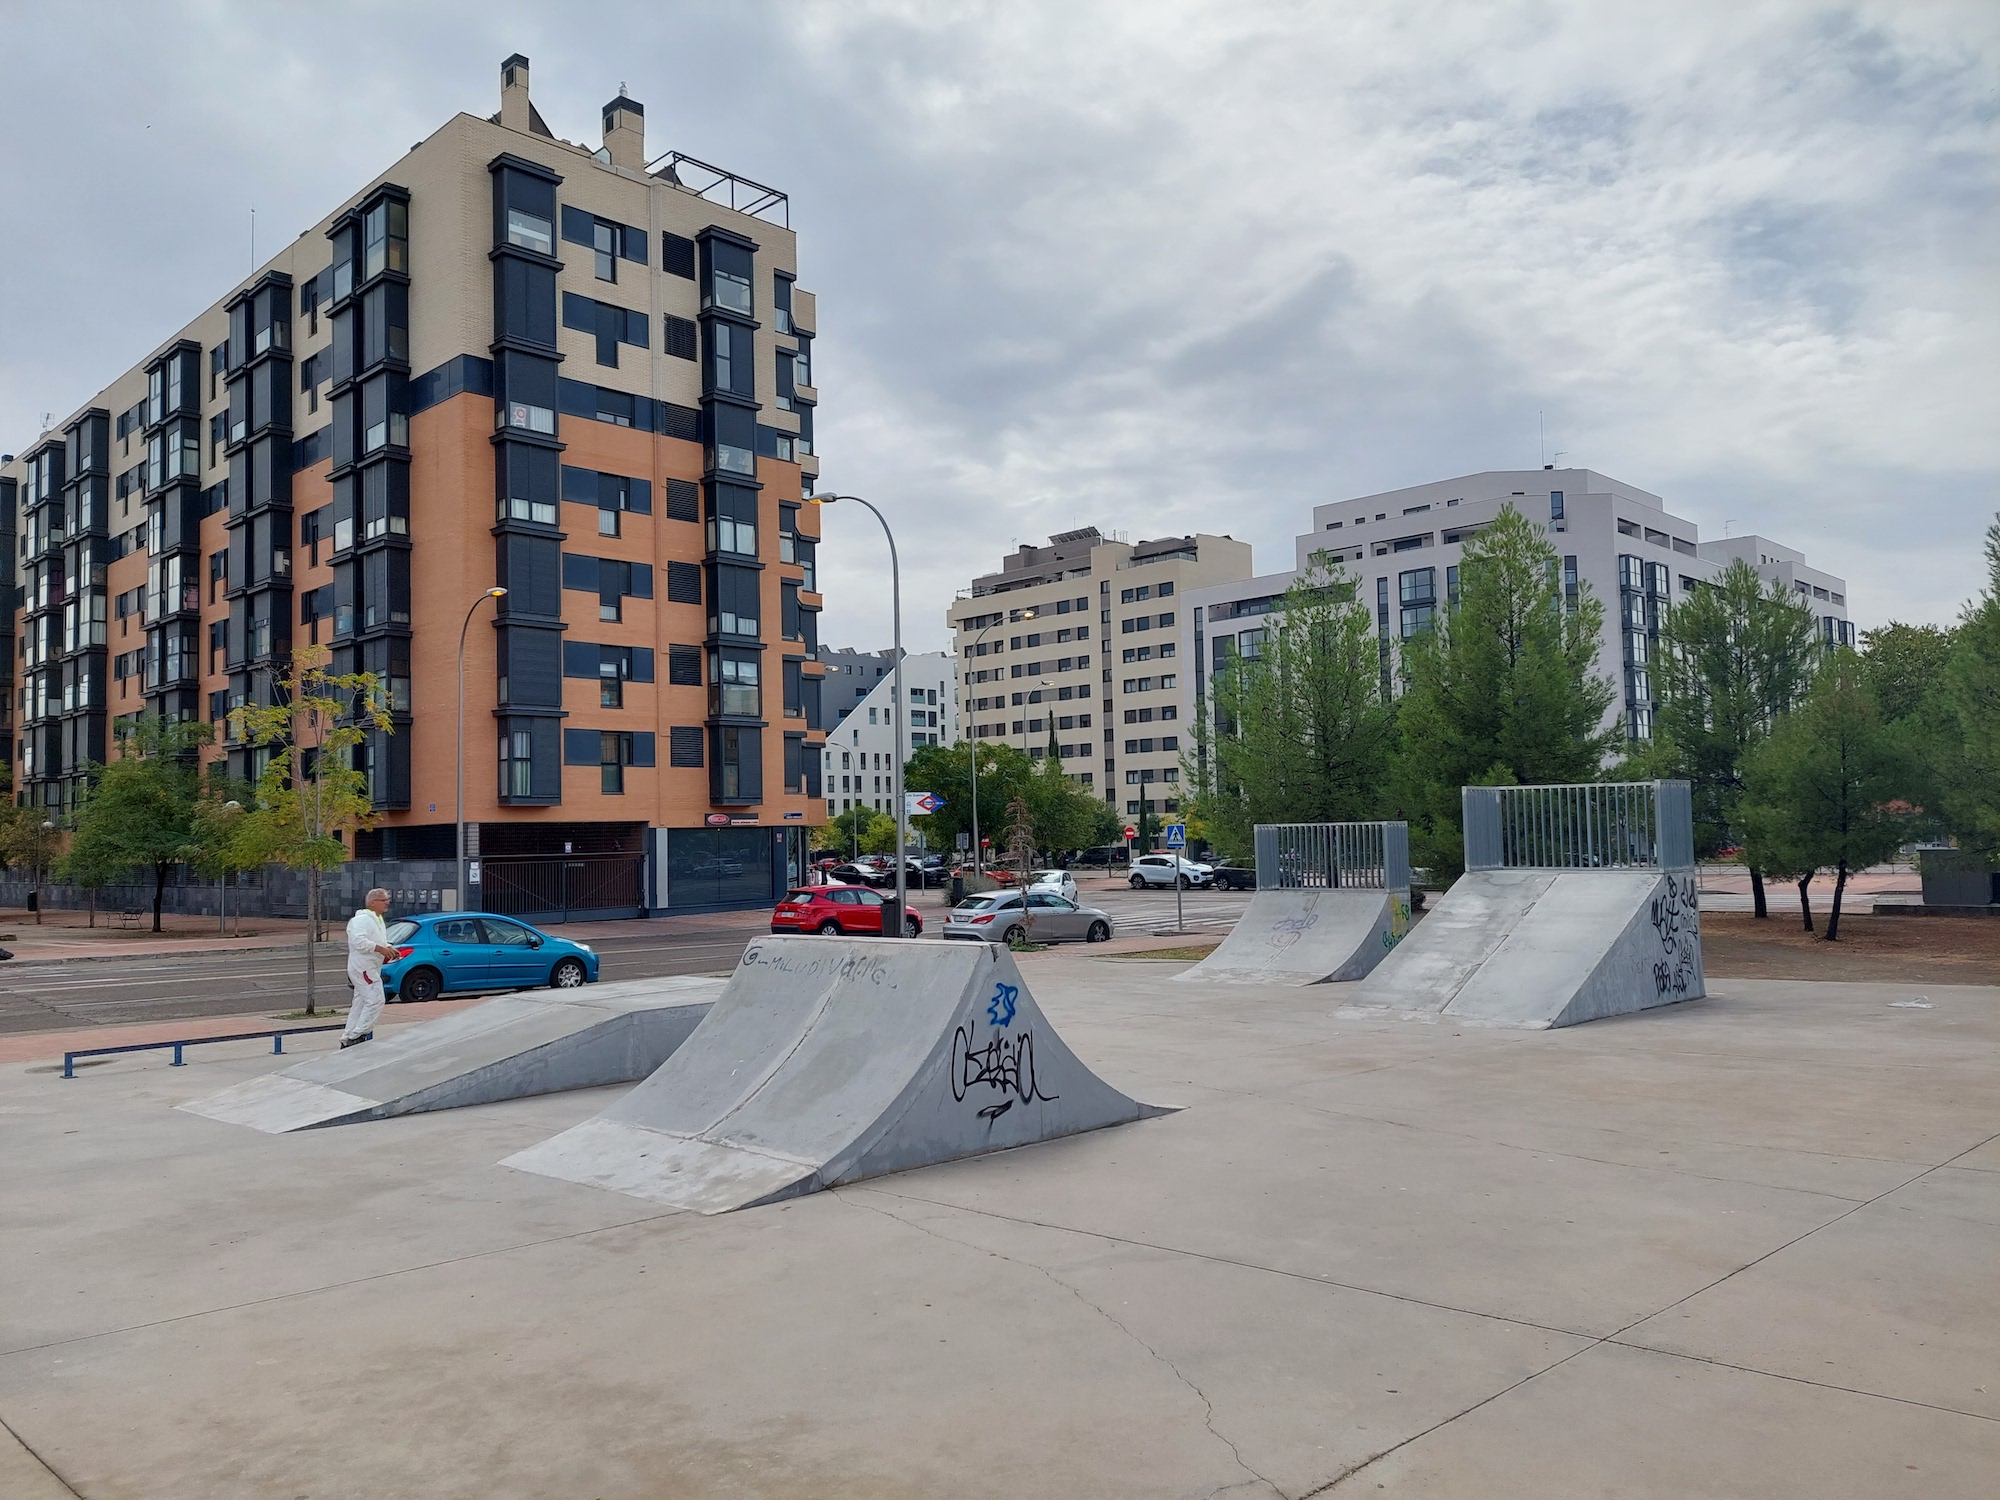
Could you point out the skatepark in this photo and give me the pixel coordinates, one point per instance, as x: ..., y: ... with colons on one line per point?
x: 1269, y: 1238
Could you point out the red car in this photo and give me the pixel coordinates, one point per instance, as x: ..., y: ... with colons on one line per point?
x: 854, y: 910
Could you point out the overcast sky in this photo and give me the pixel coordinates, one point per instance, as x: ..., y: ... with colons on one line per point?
x: 1166, y: 267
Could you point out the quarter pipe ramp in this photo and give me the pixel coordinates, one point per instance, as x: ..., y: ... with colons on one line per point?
x: 538, y: 1042
x: 1306, y: 937
x: 827, y: 1060
x: 1541, y: 948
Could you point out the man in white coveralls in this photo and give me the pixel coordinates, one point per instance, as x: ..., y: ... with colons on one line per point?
x: 367, y: 950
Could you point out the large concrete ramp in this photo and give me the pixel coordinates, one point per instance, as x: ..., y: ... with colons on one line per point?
x: 1306, y: 937
x: 537, y: 1042
x: 1541, y: 948
x: 831, y: 1059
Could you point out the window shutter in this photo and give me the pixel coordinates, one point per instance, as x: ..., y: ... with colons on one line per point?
x: 638, y: 329
x: 684, y: 745
x: 642, y: 663
x: 641, y: 586
x: 579, y: 659
x: 632, y: 243
x: 679, y: 336
x: 642, y: 749
x: 640, y: 500
x: 578, y: 227
x: 683, y: 500
x: 684, y: 665
x: 579, y: 485
x: 579, y: 313
x: 579, y: 572
x: 677, y: 256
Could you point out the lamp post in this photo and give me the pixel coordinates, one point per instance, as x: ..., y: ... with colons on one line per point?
x: 898, y: 717
x: 495, y: 593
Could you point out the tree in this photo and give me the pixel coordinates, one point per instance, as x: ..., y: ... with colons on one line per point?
x: 1063, y: 815
x: 853, y: 832
x: 1503, y: 690
x: 140, y: 810
x: 1004, y: 773
x: 311, y: 792
x: 1970, y: 763
x: 1732, y: 657
x: 1903, y: 665
x: 31, y: 840
x: 1826, y: 788
x: 217, y: 847
x: 1301, y: 732
x: 89, y: 866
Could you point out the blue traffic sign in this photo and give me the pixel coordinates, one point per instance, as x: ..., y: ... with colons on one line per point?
x: 1177, y: 835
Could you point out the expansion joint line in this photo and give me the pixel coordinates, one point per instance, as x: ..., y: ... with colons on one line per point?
x: 1208, y: 1407
x: 46, y: 1467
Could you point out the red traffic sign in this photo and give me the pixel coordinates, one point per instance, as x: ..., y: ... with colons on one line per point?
x: 1131, y: 832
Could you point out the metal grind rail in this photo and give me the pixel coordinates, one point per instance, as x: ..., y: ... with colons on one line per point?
x: 1353, y: 856
x: 277, y: 1044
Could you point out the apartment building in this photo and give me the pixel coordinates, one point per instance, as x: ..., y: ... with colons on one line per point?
x: 512, y: 361
x: 860, y: 749
x: 1081, y: 643
x: 1403, y: 547
x: 850, y: 677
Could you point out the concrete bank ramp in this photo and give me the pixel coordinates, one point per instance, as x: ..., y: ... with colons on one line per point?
x: 1540, y: 948
x: 1306, y: 937
x: 831, y: 1059
x: 538, y: 1042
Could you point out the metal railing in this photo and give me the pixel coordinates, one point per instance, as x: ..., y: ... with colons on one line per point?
x: 1324, y: 856
x: 277, y: 1045
x: 1614, y: 825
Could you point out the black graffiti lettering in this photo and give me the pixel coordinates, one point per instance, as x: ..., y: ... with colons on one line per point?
x: 1005, y: 1065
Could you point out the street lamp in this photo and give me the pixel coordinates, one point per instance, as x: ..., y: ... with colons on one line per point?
x: 900, y: 714
x: 495, y: 593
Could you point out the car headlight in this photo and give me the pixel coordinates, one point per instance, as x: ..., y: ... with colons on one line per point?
x: 586, y: 947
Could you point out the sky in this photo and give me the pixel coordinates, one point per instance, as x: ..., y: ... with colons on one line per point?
x: 1163, y: 267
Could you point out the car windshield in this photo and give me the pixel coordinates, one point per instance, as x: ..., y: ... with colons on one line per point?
x: 800, y: 896
x: 1042, y: 875
x: 402, y: 932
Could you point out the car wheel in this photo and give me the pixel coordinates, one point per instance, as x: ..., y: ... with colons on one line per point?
x: 1015, y: 936
x: 567, y: 975
x: 1100, y: 932
x: 1182, y: 881
x: 420, y: 986
x: 1138, y: 882
x: 912, y: 927
x: 828, y: 928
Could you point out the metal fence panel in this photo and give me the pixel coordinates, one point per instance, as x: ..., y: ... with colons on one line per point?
x: 1323, y: 856
x: 1613, y: 825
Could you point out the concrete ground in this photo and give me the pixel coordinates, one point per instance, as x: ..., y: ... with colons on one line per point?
x: 1747, y: 1247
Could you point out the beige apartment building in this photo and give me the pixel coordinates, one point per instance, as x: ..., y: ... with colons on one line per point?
x: 572, y: 372
x: 1077, y: 645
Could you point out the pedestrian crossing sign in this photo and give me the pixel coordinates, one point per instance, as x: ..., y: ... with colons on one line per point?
x: 1177, y: 835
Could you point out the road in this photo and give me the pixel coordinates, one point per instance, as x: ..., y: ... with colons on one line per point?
x: 116, y: 991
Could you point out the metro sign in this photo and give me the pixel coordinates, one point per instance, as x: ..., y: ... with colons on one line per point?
x: 921, y: 802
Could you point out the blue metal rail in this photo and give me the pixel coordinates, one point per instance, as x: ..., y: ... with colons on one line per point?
x: 277, y: 1044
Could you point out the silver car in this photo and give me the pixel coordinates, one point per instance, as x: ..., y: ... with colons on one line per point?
x: 1026, y: 916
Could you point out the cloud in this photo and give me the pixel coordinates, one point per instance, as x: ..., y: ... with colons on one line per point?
x: 1164, y: 267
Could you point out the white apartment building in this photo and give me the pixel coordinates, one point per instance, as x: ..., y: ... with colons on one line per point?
x: 858, y: 766
x: 850, y: 677
x: 1403, y: 548
x: 1081, y: 641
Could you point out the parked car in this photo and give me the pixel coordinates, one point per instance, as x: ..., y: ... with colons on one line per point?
x: 1103, y: 856
x: 832, y: 910
x: 447, y: 952
x: 1060, y: 881
x: 1232, y: 877
x: 1004, y: 917
x: 1166, y: 870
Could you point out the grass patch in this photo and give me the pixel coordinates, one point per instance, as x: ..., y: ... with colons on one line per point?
x: 1185, y: 952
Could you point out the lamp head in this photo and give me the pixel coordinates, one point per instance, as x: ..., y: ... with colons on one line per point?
x: 496, y: 593
x: 822, y: 499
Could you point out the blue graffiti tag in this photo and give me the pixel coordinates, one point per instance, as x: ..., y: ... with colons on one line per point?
x: 1000, y: 1009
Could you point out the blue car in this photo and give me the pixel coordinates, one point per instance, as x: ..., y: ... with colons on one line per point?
x: 445, y: 951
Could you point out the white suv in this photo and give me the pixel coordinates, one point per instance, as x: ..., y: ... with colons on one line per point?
x: 1166, y: 870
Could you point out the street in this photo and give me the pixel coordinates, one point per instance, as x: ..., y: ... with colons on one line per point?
x: 115, y: 991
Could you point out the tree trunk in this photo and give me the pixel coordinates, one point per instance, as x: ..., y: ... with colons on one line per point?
x: 312, y: 927
x: 222, y: 906
x: 159, y: 893
x: 1805, y: 901
x: 1757, y: 893
x: 38, y: 898
x: 93, y: 907
x: 1833, y: 917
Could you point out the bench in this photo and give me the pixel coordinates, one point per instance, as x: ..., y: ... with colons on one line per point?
x: 131, y: 916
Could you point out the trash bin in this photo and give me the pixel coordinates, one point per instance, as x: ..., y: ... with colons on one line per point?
x: 957, y: 889
x: 34, y: 901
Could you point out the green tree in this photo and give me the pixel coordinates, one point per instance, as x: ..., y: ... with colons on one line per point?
x: 1503, y: 690
x: 89, y: 866
x: 1733, y: 657
x: 217, y: 845
x: 1969, y: 757
x: 141, y: 806
x: 311, y: 793
x: 1827, y: 788
x: 1064, y: 816
x: 31, y: 839
x: 1903, y: 666
x: 1301, y: 734
x: 1004, y: 774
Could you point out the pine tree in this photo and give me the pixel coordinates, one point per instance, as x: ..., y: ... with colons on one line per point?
x: 1970, y: 772
x: 1503, y: 691
x: 1733, y: 656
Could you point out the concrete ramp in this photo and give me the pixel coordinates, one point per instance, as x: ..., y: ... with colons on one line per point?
x: 827, y: 1060
x: 537, y: 1042
x: 1306, y: 937
x: 1541, y: 948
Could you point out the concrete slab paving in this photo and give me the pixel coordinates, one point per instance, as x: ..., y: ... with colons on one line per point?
x: 1619, y: 1423
x: 1368, y: 1259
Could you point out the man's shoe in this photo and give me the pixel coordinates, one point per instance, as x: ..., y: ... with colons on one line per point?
x: 356, y: 1041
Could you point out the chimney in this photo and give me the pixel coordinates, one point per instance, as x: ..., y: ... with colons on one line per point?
x: 515, y: 111
x: 625, y: 132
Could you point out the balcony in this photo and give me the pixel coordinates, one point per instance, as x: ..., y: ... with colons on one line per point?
x: 805, y: 312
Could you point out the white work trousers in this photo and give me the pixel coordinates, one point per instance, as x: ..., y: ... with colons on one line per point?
x: 367, y: 982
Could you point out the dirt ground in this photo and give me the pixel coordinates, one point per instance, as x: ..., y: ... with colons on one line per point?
x: 1938, y: 950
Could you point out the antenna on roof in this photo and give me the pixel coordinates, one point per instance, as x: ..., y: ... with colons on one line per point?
x: 1542, y: 431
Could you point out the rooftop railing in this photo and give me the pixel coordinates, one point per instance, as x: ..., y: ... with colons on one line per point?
x: 727, y: 188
